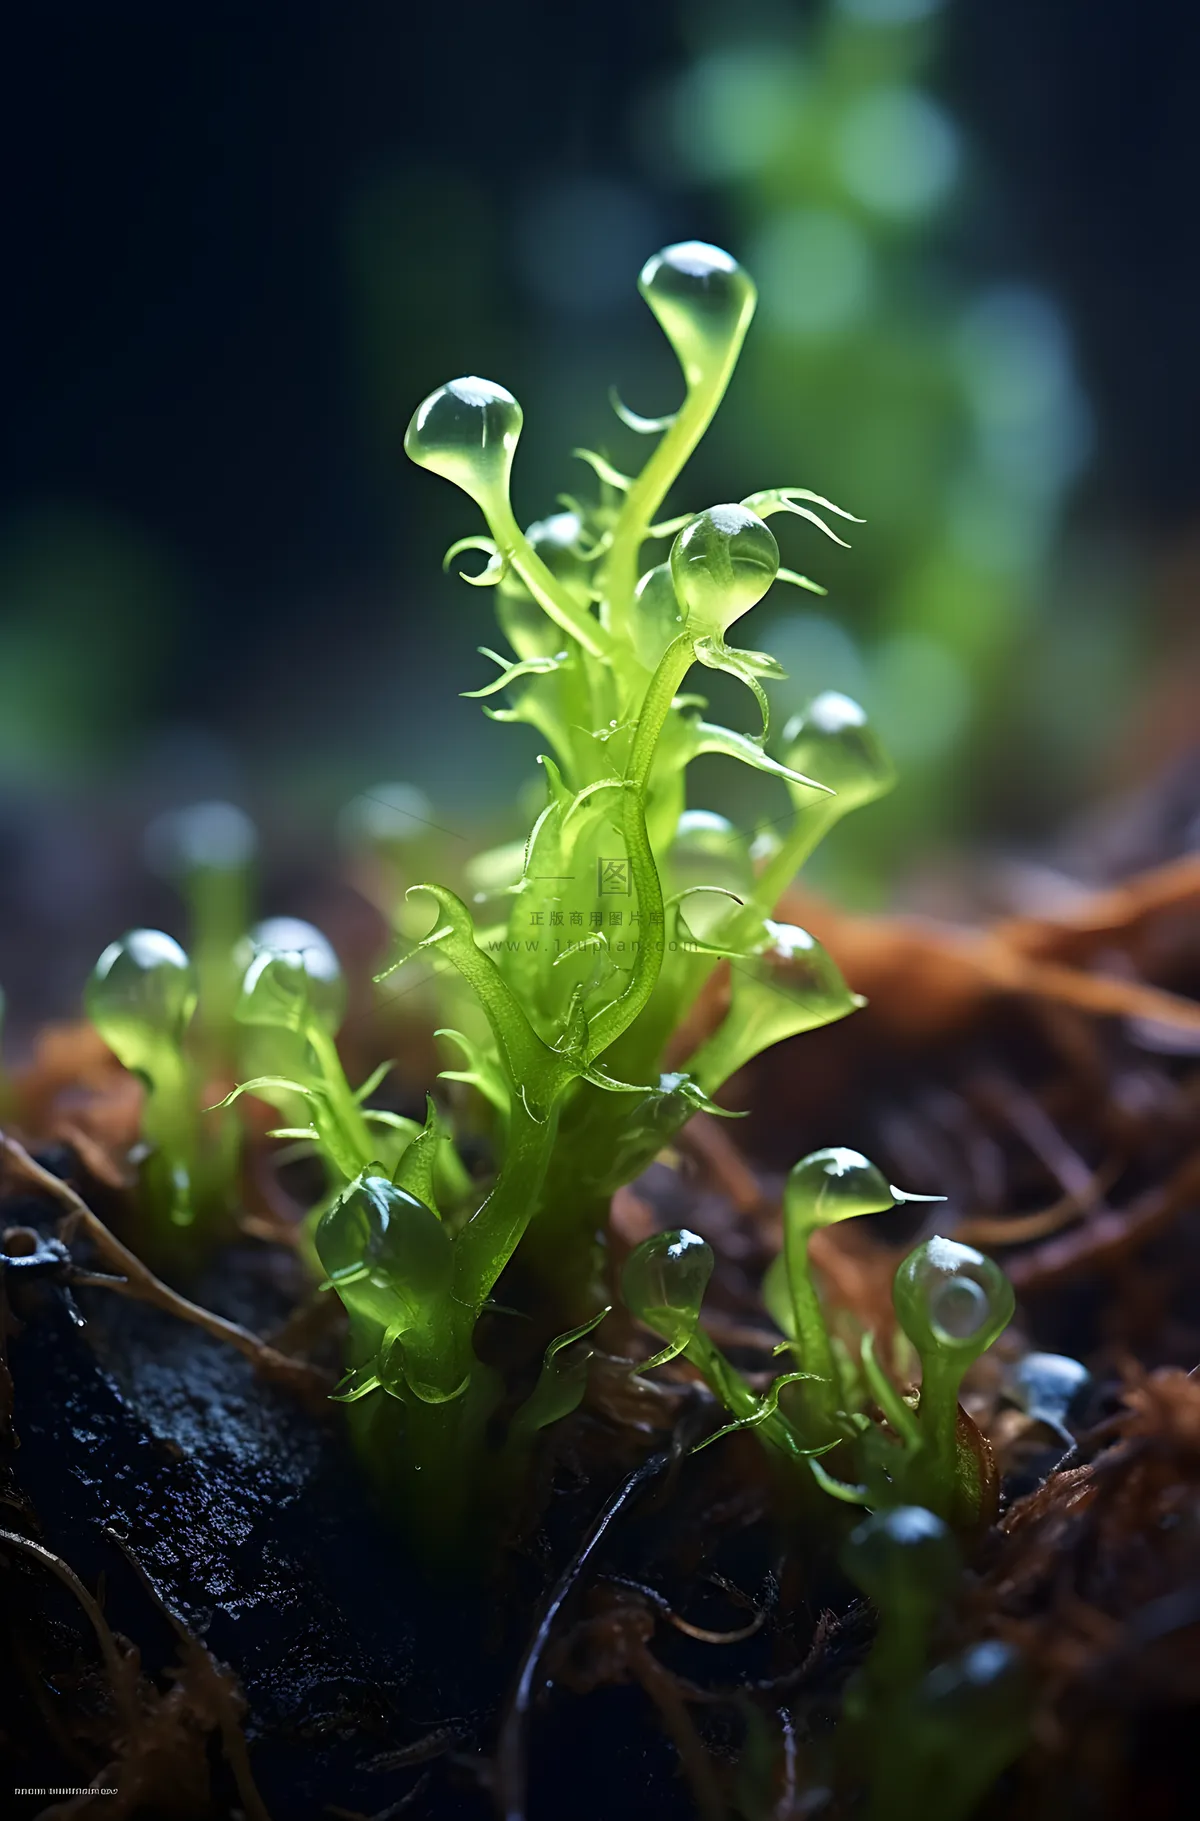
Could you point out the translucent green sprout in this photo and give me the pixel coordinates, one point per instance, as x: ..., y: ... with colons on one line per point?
x: 141, y: 998
x: 951, y: 1303
x: 565, y: 971
x: 207, y: 850
x: 569, y: 971
x: 934, y: 1739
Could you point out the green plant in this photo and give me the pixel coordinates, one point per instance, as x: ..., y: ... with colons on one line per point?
x: 141, y: 997
x: 168, y: 1016
x: 594, y: 939
x: 933, y: 1739
x: 207, y: 851
x: 951, y: 1303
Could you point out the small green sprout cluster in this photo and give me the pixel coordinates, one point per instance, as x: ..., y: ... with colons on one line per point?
x: 564, y: 980
x: 951, y: 1303
x: 933, y: 1739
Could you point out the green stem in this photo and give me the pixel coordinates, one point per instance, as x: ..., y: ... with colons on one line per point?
x: 736, y: 1395
x: 641, y: 504
x: 617, y: 1017
x: 492, y: 1235
x: 937, y: 1414
x: 812, y: 824
x: 542, y: 585
x: 352, y: 1128
x: 820, y: 1394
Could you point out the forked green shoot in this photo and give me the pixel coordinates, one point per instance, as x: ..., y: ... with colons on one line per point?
x: 951, y: 1301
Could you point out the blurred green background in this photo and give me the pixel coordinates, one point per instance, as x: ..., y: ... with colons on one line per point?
x: 245, y: 242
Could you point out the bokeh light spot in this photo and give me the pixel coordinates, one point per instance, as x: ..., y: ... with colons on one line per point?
x: 733, y: 110
x: 897, y: 152
x: 889, y: 12
x: 815, y: 272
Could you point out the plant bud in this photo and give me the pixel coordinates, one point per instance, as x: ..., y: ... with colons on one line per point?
x: 664, y: 1281
x: 141, y: 995
x: 655, y: 618
x: 1049, y: 1387
x: 833, y: 741
x: 204, y: 837
x: 292, y: 975
x: 703, y: 301
x: 903, y: 1559
x: 389, y: 817
x: 708, y: 850
x: 556, y: 541
x: 387, y: 1255
x: 832, y: 1185
x: 951, y: 1300
x: 467, y: 432
x: 722, y: 563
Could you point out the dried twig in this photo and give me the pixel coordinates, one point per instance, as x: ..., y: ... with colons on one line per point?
x: 141, y: 1283
x: 1109, y: 1236
x: 122, y: 1673
x: 213, y: 1685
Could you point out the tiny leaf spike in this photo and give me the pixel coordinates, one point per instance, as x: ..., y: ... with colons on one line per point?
x: 663, y: 1284
x: 952, y: 1303
x: 141, y: 997
x: 823, y: 1188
